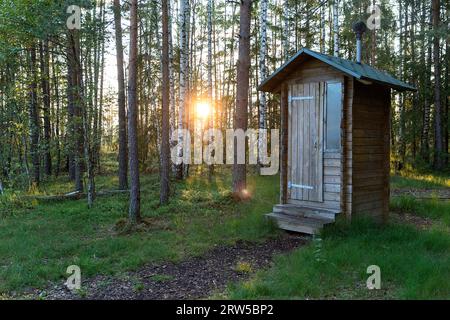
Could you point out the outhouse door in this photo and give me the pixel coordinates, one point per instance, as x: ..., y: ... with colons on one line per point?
x: 305, y: 179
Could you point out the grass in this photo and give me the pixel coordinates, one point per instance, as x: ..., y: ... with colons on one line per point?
x: 434, y: 209
x: 40, y: 240
x: 415, y: 180
x: 414, y: 265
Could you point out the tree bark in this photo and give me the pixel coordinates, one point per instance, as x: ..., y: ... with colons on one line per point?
x: 336, y: 27
x: 34, y: 117
x: 262, y: 72
x: 173, y: 113
x: 182, y: 118
x: 425, y: 143
x: 165, y: 132
x: 241, y: 117
x: 438, y: 152
x: 447, y: 91
x: 77, y: 138
x: 286, y: 35
x: 45, y: 86
x: 133, y: 155
x: 123, y: 149
x: 210, y: 77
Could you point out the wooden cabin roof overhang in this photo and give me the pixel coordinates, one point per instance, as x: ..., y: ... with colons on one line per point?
x: 360, y: 71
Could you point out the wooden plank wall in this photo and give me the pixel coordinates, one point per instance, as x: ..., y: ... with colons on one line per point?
x: 370, y: 150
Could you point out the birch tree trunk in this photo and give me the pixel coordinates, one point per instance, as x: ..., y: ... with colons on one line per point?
x: 241, y: 117
x: 123, y: 149
x: 402, y: 121
x: 262, y: 74
x: 183, y: 80
x: 173, y: 112
x: 447, y: 91
x: 133, y: 155
x: 210, y: 78
x: 336, y: 27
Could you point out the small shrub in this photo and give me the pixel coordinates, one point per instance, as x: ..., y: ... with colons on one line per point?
x: 244, y: 267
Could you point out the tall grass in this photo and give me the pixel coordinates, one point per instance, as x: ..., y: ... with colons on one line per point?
x: 39, y: 241
x: 414, y: 265
x: 433, y: 208
x: 413, y: 179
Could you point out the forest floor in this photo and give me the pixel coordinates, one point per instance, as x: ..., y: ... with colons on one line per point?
x: 40, y: 239
x: 194, y: 278
x: 203, y: 244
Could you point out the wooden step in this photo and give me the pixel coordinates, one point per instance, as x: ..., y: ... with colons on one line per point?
x: 306, y: 212
x: 299, y: 224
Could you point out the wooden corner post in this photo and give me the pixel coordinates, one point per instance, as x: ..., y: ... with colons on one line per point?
x: 284, y: 111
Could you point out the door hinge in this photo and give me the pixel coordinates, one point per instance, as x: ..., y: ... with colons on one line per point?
x: 301, y: 98
x: 299, y: 186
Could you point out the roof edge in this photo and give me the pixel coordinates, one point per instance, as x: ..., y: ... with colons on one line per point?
x: 264, y: 86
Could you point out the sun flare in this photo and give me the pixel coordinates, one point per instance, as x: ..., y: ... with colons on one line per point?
x: 203, y: 110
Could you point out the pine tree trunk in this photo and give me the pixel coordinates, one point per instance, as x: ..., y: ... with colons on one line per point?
x: 45, y: 86
x: 70, y: 132
x: 286, y: 31
x: 165, y: 132
x: 57, y: 116
x: 34, y: 117
x: 133, y: 155
x: 243, y: 73
x: 75, y: 73
x: 438, y: 152
x: 425, y: 142
x: 123, y: 148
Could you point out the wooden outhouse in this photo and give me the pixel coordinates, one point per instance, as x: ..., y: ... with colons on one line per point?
x: 335, y: 140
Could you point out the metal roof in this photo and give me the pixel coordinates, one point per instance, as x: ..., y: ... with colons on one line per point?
x: 359, y: 71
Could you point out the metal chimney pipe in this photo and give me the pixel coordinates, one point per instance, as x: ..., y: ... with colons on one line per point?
x: 359, y: 28
x: 358, y: 49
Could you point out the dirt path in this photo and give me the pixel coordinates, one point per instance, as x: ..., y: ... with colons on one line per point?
x: 440, y: 194
x: 194, y: 278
